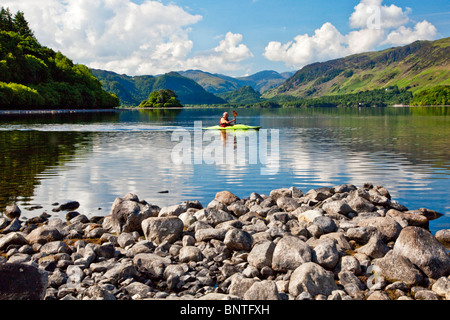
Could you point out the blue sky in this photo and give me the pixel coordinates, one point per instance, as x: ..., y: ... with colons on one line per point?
x: 233, y: 37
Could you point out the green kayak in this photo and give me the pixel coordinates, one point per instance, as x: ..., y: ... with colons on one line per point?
x: 235, y: 127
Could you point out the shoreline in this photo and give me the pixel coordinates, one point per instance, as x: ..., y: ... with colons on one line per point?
x: 331, y: 243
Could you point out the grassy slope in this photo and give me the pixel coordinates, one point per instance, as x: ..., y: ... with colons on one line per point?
x: 417, y: 67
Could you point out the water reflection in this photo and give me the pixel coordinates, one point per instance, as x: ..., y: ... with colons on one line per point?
x: 95, y: 157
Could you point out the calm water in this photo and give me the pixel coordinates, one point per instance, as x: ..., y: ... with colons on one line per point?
x: 94, y: 157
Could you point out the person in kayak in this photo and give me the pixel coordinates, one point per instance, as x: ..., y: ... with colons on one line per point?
x: 224, y: 122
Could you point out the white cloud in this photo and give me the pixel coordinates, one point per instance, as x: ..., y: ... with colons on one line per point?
x: 376, y: 25
x: 122, y: 36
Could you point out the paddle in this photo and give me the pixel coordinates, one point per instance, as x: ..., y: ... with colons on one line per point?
x: 235, y: 115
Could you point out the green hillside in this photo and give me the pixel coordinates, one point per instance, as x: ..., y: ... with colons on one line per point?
x: 133, y: 90
x: 36, y: 77
x: 242, y: 96
x: 416, y: 67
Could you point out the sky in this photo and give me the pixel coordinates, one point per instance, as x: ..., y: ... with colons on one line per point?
x: 232, y: 37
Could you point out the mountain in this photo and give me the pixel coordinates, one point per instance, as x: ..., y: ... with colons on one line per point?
x: 416, y: 67
x: 213, y: 83
x: 219, y: 83
x: 133, y: 90
x: 241, y: 96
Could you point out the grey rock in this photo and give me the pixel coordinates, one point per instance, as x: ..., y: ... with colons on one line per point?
x: 190, y: 253
x: 423, y: 250
x: 261, y: 254
x: 43, y: 235
x: 151, y: 264
x: 55, y: 247
x: 121, y: 271
x: 394, y: 267
x: 283, y: 192
x: 126, y: 239
x: 443, y: 236
x: 337, y: 207
x: 138, y: 288
x: 326, y: 254
x: 313, y: 279
x: 162, y: 229
x: 238, y: 208
x: 262, y: 290
x: 209, y: 234
x: 388, y: 227
x: 213, y: 216
x: 14, y: 226
x: 12, y: 239
x: 289, y: 253
x: 375, y: 248
x: 239, y: 285
x: 287, y: 203
x: 442, y: 287
x: 174, y: 210
x: 128, y: 213
x: 325, y: 224
x: 236, y: 239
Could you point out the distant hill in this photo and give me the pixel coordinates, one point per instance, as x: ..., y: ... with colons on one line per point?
x: 242, y: 96
x: 133, y: 90
x: 219, y: 83
x: 416, y: 67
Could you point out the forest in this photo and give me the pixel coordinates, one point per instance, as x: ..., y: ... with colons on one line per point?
x: 35, y: 77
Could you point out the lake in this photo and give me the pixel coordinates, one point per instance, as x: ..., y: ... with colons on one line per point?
x: 94, y: 157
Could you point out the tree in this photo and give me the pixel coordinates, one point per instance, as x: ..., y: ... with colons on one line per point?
x: 163, y: 98
x: 6, y: 20
x: 21, y: 25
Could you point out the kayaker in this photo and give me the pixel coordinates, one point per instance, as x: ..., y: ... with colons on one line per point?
x: 224, y: 122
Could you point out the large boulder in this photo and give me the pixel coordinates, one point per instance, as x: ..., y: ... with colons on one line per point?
x: 44, y: 234
x: 313, y: 279
x: 394, y: 267
x: 289, y: 253
x: 22, y: 282
x: 127, y: 213
x: 160, y: 229
x: 388, y: 227
x: 261, y: 254
x: 424, y: 250
x: 226, y: 197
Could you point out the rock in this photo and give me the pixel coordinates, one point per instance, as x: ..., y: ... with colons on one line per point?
x: 326, y: 254
x: 313, y: 279
x: 309, y: 216
x: 22, y: 282
x: 443, y: 236
x: 218, y: 296
x: 430, y: 214
x: 388, y: 227
x: 188, y: 218
x: 151, y: 264
x: 69, y: 206
x: 14, y: 226
x: 261, y: 254
x: 120, y: 272
x: 349, y: 278
x: 12, y: 239
x: 283, y: 192
x: 55, y: 247
x: 325, y: 225
x: 289, y: 253
x: 360, y: 204
x: 174, y: 210
x: 126, y: 239
x: 262, y: 290
x: 238, y: 208
x: 319, y: 194
x: 337, y: 207
x: 379, y: 295
x: 162, y: 229
x: 237, y: 240
x: 213, y: 216
x: 137, y: 288
x: 287, y: 204
x: 128, y: 213
x: 226, y: 197
x: 424, y: 250
x: 426, y: 295
x: 13, y: 211
x: 190, y: 253
x: 394, y: 267
x: 442, y: 287
x: 43, y: 235
x: 375, y: 248
x: 210, y: 233
x: 239, y: 285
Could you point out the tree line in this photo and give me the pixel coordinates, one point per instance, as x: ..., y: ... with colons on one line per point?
x: 33, y: 76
